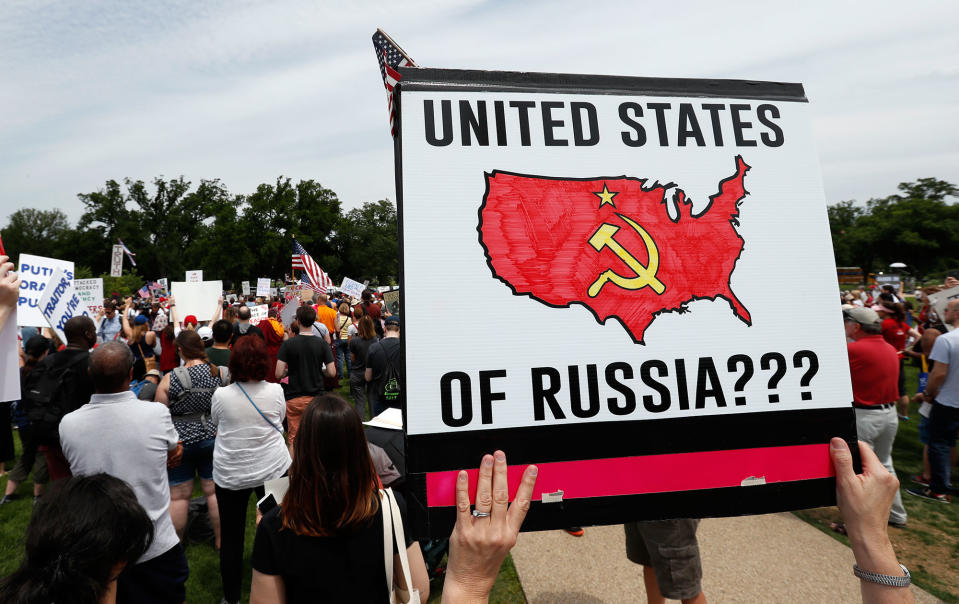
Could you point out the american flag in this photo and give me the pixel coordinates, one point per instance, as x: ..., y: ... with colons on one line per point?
x: 313, y: 276
x: 127, y: 251
x: 391, y: 57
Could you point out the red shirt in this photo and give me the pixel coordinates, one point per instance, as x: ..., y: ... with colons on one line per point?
x: 895, y: 333
x: 874, y: 368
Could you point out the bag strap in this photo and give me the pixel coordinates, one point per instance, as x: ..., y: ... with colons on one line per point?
x: 400, y: 537
x: 272, y: 425
x: 387, y: 540
x: 925, y: 364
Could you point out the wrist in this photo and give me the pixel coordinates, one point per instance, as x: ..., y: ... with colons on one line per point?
x: 456, y: 591
x: 874, y: 553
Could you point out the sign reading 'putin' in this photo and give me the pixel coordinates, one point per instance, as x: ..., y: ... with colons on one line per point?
x: 610, y: 242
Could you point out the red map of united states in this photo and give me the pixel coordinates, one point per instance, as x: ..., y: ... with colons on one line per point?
x: 611, y: 245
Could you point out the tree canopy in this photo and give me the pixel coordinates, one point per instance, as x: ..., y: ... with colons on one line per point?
x: 174, y: 227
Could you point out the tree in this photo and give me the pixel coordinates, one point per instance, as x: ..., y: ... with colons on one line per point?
x: 39, y: 232
x: 367, y: 242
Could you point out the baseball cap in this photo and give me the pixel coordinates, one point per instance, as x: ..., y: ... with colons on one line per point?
x: 863, y: 316
x: 190, y: 319
x: 205, y: 333
x: 140, y: 320
x: 155, y: 372
x: 392, y: 320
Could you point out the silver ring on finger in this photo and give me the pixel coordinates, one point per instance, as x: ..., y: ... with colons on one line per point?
x: 479, y: 514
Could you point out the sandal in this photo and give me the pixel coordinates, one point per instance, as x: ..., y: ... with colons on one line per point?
x: 838, y: 527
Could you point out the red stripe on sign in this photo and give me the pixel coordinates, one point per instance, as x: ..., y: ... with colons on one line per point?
x: 653, y: 473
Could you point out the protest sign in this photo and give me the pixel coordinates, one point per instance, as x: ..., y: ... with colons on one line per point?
x: 288, y: 312
x: 352, y: 288
x: 259, y: 313
x: 34, y: 273
x: 624, y: 231
x: 164, y: 284
x: 274, y: 291
x: 245, y: 288
x: 263, y: 287
x: 198, y: 299
x: 194, y: 276
x: 892, y: 280
x: 9, y: 361
x: 91, y: 292
x: 392, y: 301
x: 940, y: 300
x: 116, y: 261
x: 60, y: 302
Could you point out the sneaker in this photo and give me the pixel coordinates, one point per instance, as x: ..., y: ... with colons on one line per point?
x: 9, y: 498
x: 576, y: 531
x: 897, y: 525
x: 928, y: 494
x: 904, y: 418
x: 920, y: 479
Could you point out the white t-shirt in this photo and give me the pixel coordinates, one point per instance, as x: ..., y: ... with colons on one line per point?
x: 129, y: 439
x: 946, y: 350
x: 248, y: 450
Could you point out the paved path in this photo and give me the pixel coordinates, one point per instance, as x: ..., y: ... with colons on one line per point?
x: 770, y: 558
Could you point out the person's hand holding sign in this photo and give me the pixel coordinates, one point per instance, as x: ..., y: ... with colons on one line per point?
x: 482, y: 538
x: 9, y: 290
x: 864, y: 501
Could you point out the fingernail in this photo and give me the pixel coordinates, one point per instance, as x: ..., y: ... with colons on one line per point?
x: 461, y: 476
x: 533, y: 470
x: 837, y: 443
x: 500, y: 456
x: 488, y: 461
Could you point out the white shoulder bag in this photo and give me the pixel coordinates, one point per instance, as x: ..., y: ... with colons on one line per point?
x: 393, y: 532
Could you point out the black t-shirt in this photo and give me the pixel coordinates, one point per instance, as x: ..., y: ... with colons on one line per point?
x: 386, y: 349
x: 344, y: 568
x: 305, y: 356
x: 360, y: 347
x: 80, y: 387
x: 251, y: 330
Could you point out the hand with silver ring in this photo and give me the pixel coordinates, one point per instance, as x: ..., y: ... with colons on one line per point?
x: 483, y: 536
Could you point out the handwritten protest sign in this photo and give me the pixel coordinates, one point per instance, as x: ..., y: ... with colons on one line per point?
x: 35, y: 272
x: 91, y: 292
x: 60, y: 302
x: 198, y: 299
x: 288, y: 312
x: 392, y: 301
x: 245, y: 288
x: 940, y: 300
x: 352, y: 288
x: 263, y: 287
x: 194, y: 276
x: 116, y: 261
x: 623, y: 229
x: 259, y: 313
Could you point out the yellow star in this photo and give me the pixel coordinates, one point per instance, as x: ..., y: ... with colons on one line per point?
x: 606, y: 196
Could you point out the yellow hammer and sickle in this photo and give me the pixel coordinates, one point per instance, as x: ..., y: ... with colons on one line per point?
x: 645, y: 275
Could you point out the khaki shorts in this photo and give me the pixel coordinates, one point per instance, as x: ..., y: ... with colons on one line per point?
x: 671, y: 549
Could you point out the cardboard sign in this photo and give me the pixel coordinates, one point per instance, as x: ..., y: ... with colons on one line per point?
x: 263, y: 287
x: 392, y: 301
x: 245, y: 285
x: 91, y: 292
x: 940, y: 300
x: 34, y: 273
x: 352, y: 288
x: 116, y: 261
x: 60, y: 302
x: 259, y: 313
x: 199, y: 299
x: 194, y: 276
x: 623, y: 229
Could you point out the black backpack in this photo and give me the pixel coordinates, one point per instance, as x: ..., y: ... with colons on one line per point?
x: 45, y: 396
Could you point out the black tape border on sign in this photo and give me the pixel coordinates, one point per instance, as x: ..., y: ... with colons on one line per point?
x: 419, y: 79
x: 459, y: 450
x: 708, y: 503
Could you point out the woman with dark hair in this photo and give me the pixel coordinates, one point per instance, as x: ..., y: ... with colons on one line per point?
x: 324, y: 543
x: 80, y: 538
x: 249, y: 450
x: 141, y: 340
x: 188, y: 392
x: 359, y: 350
x: 31, y: 460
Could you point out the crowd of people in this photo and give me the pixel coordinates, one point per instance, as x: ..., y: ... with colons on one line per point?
x: 137, y: 405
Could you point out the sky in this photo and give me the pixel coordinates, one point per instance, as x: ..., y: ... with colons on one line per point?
x: 249, y: 91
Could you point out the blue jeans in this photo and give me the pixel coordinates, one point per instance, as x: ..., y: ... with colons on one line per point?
x: 343, y: 352
x: 943, y: 427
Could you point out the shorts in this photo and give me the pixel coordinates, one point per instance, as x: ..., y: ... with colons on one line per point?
x: 671, y: 549
x: 160, y: 580
x: 197, y: 460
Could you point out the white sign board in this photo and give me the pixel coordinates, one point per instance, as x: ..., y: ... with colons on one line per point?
x: 165, y: 284
x: 116, y: 261
x: 34, y: 273
x: 60, y: 303
x: 263, y: 287
x: 288, y: 312
x: 259, y: 313
x: 91, y: 292
x: 198, y: 299
x: 940, y: 300
x: 624, y: 229
x: 352, y: 288
x: 245, y: 285
x: 274, y: 291
x: 9, y: 361
x: 194, y: 276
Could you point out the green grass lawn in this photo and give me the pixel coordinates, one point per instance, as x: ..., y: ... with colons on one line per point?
x: 204, y: 582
